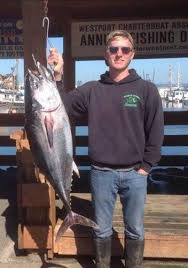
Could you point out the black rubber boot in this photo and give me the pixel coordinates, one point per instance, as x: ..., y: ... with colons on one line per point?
x: 103, y: 252
x: 134, y: 250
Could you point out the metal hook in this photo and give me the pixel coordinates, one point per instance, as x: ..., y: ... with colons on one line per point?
x: 46, y: 19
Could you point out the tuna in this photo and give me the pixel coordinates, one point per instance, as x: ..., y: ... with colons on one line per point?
x: 49, y: 134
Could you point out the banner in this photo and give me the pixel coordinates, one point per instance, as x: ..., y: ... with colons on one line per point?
x: 11, y: 38
x: 151, y: 37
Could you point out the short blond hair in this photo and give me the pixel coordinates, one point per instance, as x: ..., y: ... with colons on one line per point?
x: 114, y: 35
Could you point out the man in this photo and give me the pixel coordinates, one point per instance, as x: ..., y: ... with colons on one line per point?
x: 125, y: 120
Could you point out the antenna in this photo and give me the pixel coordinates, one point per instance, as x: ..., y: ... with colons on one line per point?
x: 143, y: 73
x: 153, y: 78
x: 170, y: 76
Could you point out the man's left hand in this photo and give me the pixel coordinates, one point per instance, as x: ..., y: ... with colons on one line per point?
x: 142, y: 172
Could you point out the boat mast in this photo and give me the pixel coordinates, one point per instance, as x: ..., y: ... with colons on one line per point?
x: 170, y: 77
x: 178, y: 77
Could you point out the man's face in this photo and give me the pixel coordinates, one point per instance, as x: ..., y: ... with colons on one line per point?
x: 119, y: 54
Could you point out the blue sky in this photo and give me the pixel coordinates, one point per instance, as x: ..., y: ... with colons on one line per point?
x: 91, y: 70
x: 153, y: 68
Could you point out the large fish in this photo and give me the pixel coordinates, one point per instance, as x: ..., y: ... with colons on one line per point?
x: 49, y: 134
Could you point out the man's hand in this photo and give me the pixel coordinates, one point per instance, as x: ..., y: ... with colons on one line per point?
x: 56, y: 61
x: 142, y: 172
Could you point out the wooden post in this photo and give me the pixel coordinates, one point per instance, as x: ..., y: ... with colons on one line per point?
x: 33, y: 32
x: 69, y: 62
x: 69, y: 65
x: 35, y: 199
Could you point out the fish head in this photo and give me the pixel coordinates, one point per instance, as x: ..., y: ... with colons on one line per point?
x: 41, y: 92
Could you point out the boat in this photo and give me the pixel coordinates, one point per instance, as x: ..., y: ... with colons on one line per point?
x: 11, y: 95
x: 174, y: 93
x: 185, y: 99
x: 11, y: 102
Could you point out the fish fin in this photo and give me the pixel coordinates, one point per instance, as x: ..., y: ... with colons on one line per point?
x: 75, y: 169
x: 49, y: 123
x: 71, y: 219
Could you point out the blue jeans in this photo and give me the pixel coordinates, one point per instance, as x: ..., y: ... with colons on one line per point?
x: 132, y: 189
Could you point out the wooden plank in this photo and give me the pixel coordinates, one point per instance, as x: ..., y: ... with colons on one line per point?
x: 37, y: 237
x: 173, y: 160
x: 83, y: 160
x: 163, y: 233
x: 166, y: 246
x: 69, y: 69
x: 6, y: 141
x: 81, y: 141
x: 169, y: 140
x: 8, y: 160
x: 166, y: 160
x: 34, y: 195
x: 13, y: 120
x: 155, y: 247
x: 170, y: 118
x: 176, y: 118
x: 175, y: 140
x: 20, y: 236
x: 36, y: 216
x: 33, y: 14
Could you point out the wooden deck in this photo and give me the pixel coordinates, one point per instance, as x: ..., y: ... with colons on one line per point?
x: 166, y: 227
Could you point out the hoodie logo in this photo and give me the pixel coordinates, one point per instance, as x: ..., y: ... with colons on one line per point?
x: 131, y: 100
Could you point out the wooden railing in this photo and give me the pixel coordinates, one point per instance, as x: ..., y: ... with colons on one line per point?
x: 171, y: 118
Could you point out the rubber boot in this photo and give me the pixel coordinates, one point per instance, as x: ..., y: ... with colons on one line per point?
x: 134, y: 250
x: 103, y: 252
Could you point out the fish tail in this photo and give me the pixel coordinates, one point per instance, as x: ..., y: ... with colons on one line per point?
x: 71, y: 219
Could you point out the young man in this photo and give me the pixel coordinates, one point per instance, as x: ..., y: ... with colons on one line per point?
x: 125, y: 120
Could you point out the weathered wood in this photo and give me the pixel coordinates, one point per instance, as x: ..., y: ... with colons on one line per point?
x: 166, y: 160
x: 6, y: 141
x: 166, y: 228
x: 34, y: 33
x: 169, y: 140
x: 37, y: 237
x: 20, y: 236
x: 12, y: 120
x: 170, y: 118
x: 69, y: 70
x: 36, y: 216
x: 34, y: 195
x: 8, y: 160
x: 82, y: 160
x: 100, y: 10
x: 175, y: 140
x: 35, y: 200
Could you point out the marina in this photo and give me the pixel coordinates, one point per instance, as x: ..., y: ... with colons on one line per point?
x: 11, y: 93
